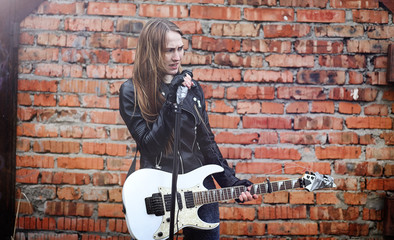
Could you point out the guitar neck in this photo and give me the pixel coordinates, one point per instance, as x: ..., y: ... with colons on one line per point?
x: 229, y: 193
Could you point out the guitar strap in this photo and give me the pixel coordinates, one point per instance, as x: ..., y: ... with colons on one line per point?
x: 132, y: 167
x: 131, y: 170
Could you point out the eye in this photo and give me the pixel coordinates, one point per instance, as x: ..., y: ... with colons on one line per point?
x: 180, y: 48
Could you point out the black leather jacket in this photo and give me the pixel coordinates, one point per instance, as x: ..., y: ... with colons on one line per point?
x: 197, y: 145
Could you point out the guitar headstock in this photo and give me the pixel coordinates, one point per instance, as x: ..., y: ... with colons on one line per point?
x: 312, y: 181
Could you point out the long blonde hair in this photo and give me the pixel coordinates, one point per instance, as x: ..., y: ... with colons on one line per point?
x: 149, y: 69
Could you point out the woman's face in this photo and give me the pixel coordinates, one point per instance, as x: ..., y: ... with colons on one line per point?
x: 173, y: 52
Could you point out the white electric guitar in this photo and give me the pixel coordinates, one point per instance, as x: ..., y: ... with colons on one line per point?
x: 147, y: 198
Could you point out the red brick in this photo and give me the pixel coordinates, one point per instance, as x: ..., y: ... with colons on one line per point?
x: 339, y: 31
x: 367, y: 46
x: 68, y: 209
x: 190, y: 27
x: 334, y: 152
x: 343, y: 61
x: 111, y: 9
x: 220, y: 121
x: 301, y: 93
x: 109, y: 40
x: 377, y: 78
x: 369, y: 122
x: 389, y: 170
x: 243, y: 138
x: 258, y: 168
x: 321, y: 77
x: 332, y: 213
x: 212, y: 12
x: 60, y: 8
x: 65, y: 178
x: 354, y: 4
x: 234, y: 60
x: 372, y: 214
x: 37, y: 85
x: 37, y: 161
x: 40, y: 22
x: 281, y: 212
x: 215, y: 45
x: 268, y: 76
x: 251, y: 92
x: 362, y: 94
x: 251, y: 2
x: 318, y: 46
x: 292, y: 228
x: 297, y: 107
x: 269, y: 14
x: 37, y: 130
x: 268, y: 138
x: 302, y: 198
x: 323, y: 107
x: 236, y: 153
x: 305, y: 138
x: 355, y: 78
x: 88, y: 24
x: 272, y: 108
x: 55, y: 146
x: 374, y: 169
x: 52, y: 39
x: 80, y: 163
x: 323, y: 198
x: 27, y: 175
x: 349, y: 108
x: 117, y: 225
x: 355, y: 198
x: 242, y: 228
x: 115, y: 195
x: 94, y: 194
x: 38, y: 54
x: 380, y: 32
x: 248, y: 107
x: 192, y: 58
x: 304, y: 3
x: 276, y: 60
x: 277, y: 153
x: 222, y: 75
x: 376, y: 109
x: 83, y: 86
x: 323, y: 16
x: 237, y: 213
x: 321, y: 122
x: 388, y: 137
x: 276, y: 197
x: 110, y: 210
x: 302, y: 167
x: 370, y: 16
x: 266, y: 122
x: 105, y: 178
x: 380, y: 184
x: 386, y: 153
x: 343, y: 138
x: 278, y: 31
x: 243, y: 29
x: 68, y: 193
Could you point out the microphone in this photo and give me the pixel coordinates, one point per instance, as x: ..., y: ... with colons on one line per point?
x: 181, y: 93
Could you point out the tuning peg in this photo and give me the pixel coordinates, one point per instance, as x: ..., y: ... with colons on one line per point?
x: 307, y: 172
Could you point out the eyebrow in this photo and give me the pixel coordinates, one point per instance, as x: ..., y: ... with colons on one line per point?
x: 175, y: 47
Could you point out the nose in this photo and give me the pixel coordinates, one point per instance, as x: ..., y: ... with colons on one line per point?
x: 177, y: 55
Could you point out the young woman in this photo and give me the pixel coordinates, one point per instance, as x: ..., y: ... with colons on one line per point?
x: 146, y: 105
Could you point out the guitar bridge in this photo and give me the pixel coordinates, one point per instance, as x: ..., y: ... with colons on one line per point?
x: 154, y: 204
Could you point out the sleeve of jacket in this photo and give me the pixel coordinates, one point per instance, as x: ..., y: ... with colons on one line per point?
x: 210, y: 149
x: 152, y: 139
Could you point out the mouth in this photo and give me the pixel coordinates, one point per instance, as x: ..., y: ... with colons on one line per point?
x: 173, y: 66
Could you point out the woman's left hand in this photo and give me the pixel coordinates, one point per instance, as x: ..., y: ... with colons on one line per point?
x: 246, y: 196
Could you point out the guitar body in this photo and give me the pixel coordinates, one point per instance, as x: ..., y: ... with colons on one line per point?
x: 145, y: 182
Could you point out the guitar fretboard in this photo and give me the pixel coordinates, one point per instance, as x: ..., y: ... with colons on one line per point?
x: 224, y: 194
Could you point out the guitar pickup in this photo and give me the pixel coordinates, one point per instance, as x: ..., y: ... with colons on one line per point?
x: 167, y: 200
x: 154, y: 204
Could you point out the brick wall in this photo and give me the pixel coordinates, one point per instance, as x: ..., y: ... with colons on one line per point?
x: 291, y: 85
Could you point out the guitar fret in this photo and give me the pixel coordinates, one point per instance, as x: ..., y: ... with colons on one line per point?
x: 223, y: 194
